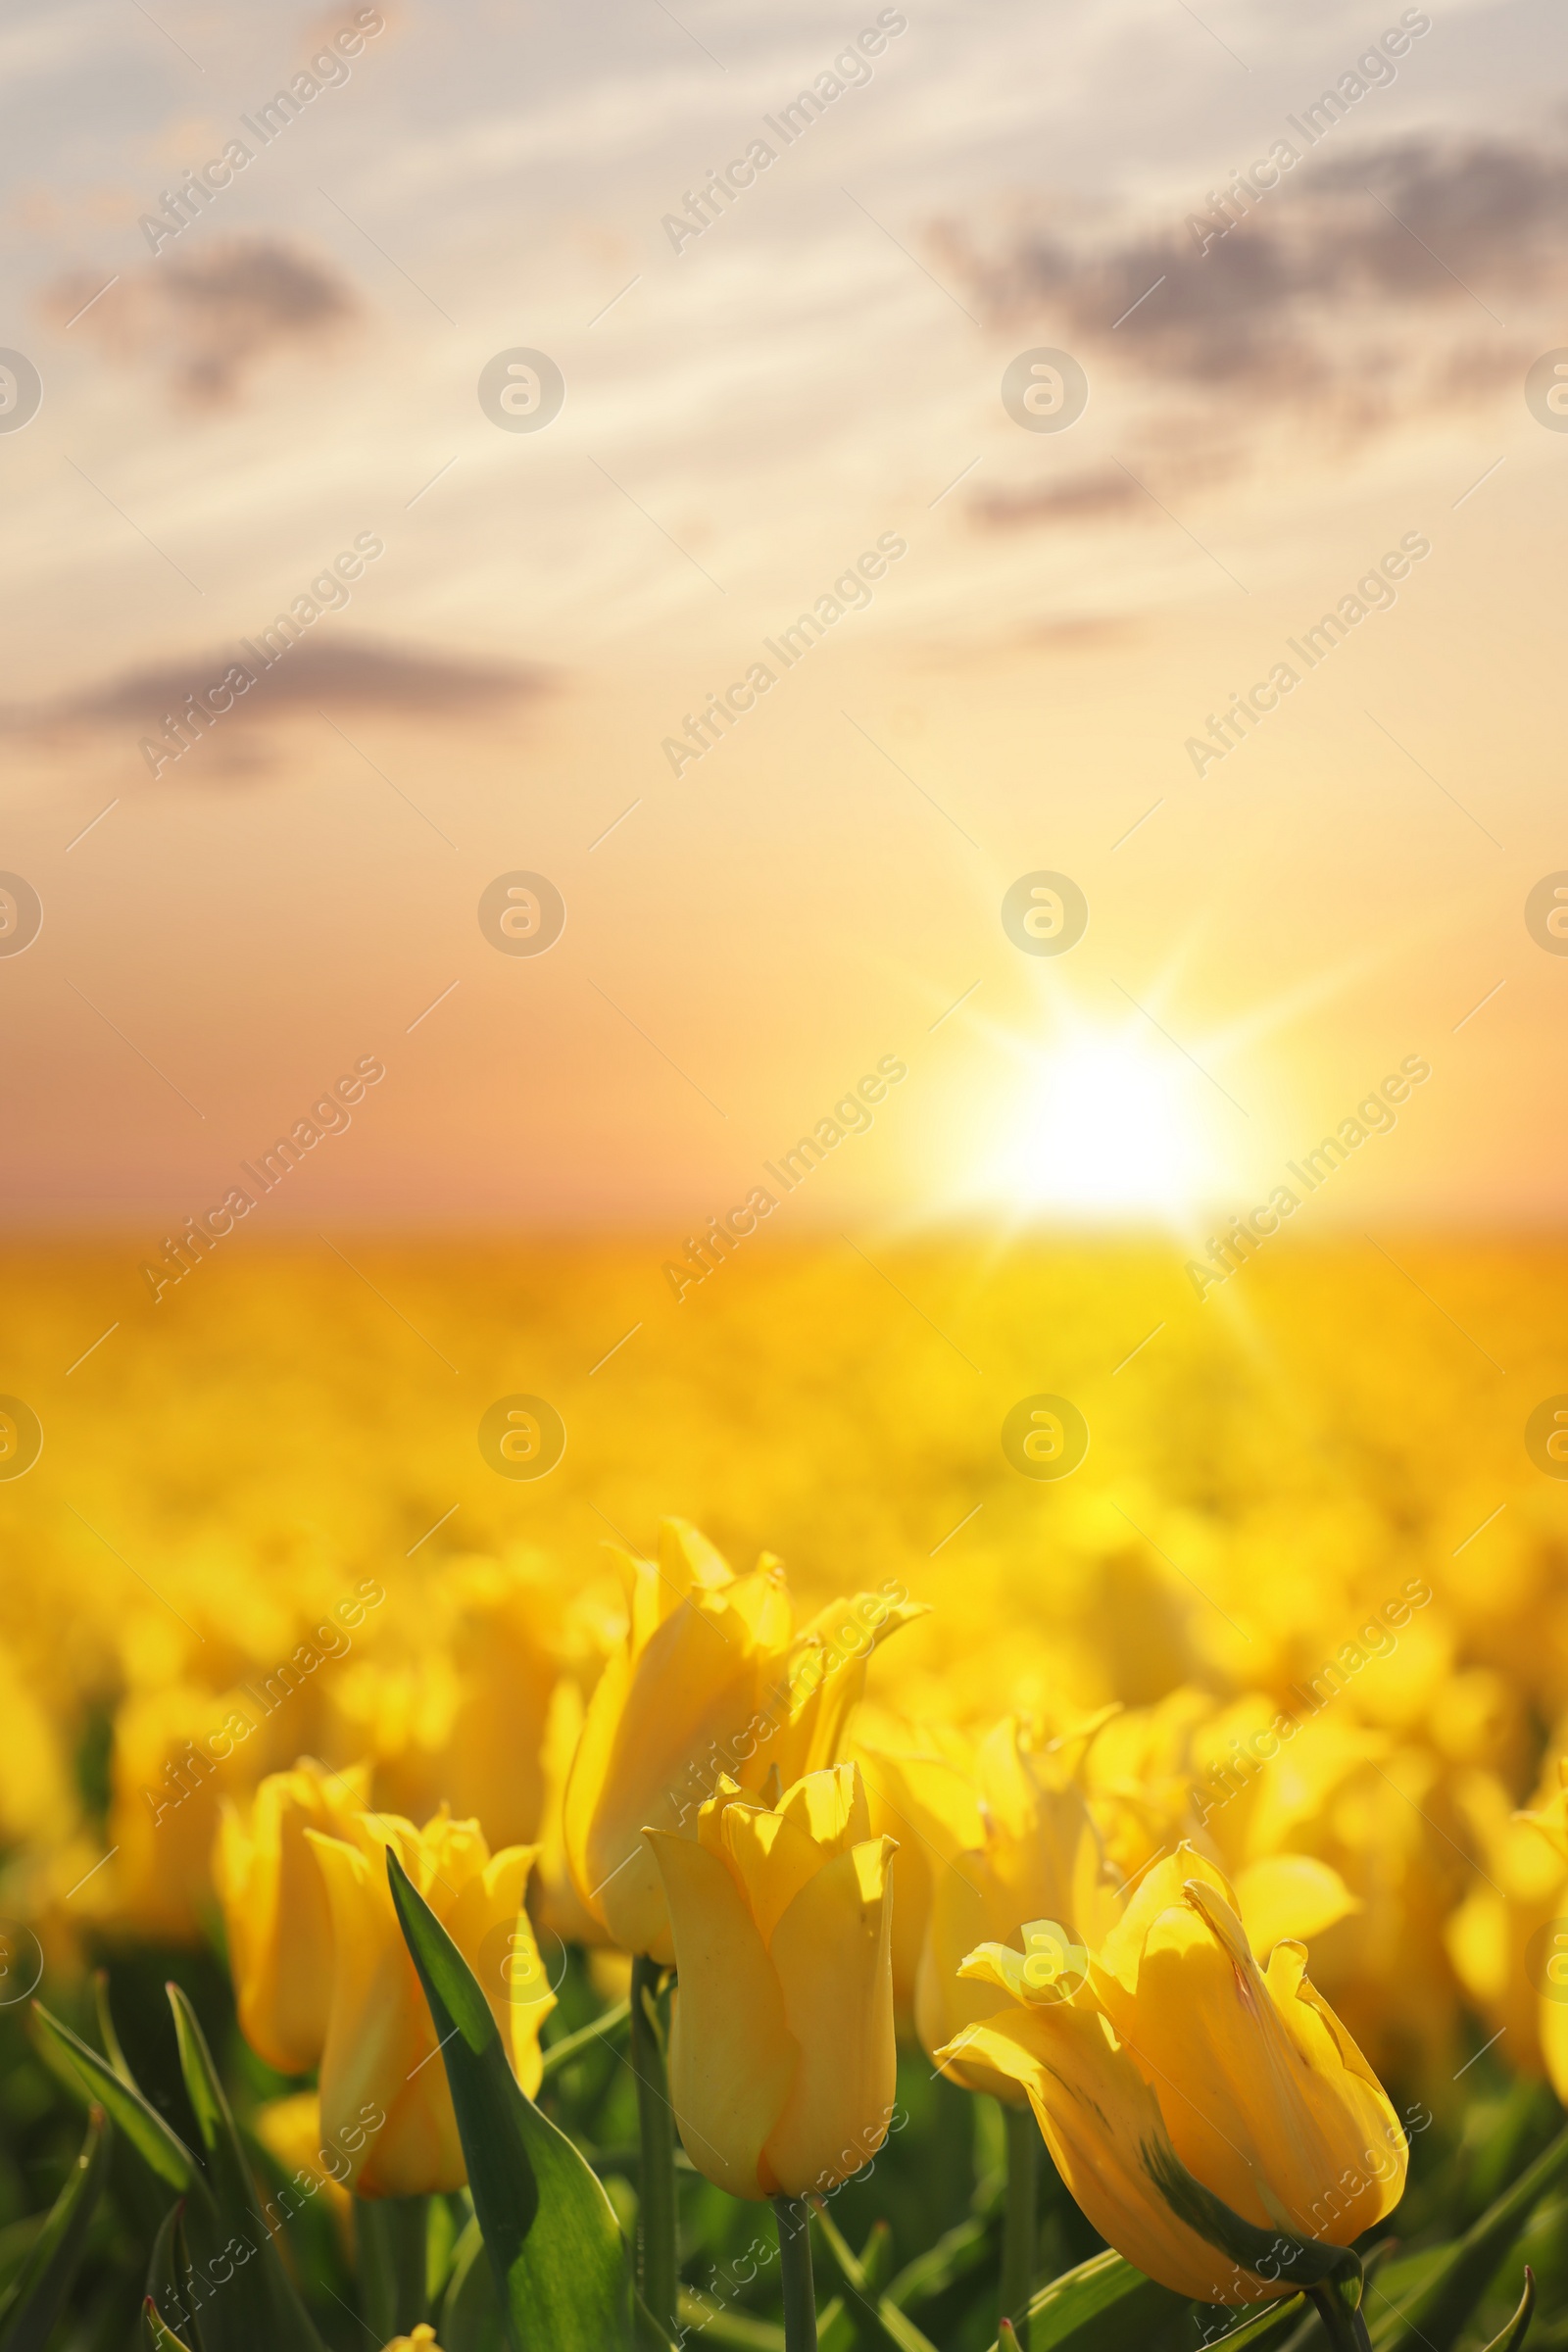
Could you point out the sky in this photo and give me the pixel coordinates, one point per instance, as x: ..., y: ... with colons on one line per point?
x: 805, y: 396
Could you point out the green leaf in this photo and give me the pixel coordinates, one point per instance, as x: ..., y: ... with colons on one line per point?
x: 1272, y: 2253
x: 837, y: 2327
x: 445, y: 2222
x: 885, y: 2322
x: 245, y: 2308
x: 1513, y: 2335
x: 470, y: 2315
x: 229, y: 2172
x: 1274, y: 2324
x: 651, y: 2332
x: 16, y: 2245
x: 572, y: 2045
x: 105, y: 2028
x: 39, y: 2289
x: 1436, y: 2309
x: 701, y: 2315
x: 959, y: 2251
x: 1105, y: 2305
x: 877, y: 2257
x: 549, y: 2229
x: 165, y: 2273
x: 160, y: 2148
x: 392, y: 2243
x: 156, y: 2336
x: 303, y: 2228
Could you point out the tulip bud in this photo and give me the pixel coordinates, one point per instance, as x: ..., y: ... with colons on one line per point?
x: 275, y: 1909
x: 1175, y: 2049
x: 711, y: 1681
x: 782, y: 2059
x: 384, y: 2096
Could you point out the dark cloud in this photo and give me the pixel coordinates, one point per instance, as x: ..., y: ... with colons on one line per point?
x: 1363, y: 290
x: 351, y: 671
x: 208, y: 317
x: 1409, y: 223
x: 1485, y: 212
x: 344, y: 674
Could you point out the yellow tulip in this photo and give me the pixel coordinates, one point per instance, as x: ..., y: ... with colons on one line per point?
x: 422, y: 2341
x: 384, y: 2096
x: 164, y: 1809
x: 782, y: 2060
x: 919, y: 1783
x: 275, y: 1909
x: 38, y: 1804
x: 557, y: 1905
x: 1175, y: 2040
x: 712, y: 1680
x: 1536, y: 1923
x: 1039, y: 1857
x: 461, y: 1721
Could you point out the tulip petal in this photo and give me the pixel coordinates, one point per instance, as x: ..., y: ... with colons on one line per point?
x: 586, y: 1776
x: 762, y: 1602
x: 830, y: 1806
x: 711, y: 1836
x: 772, y: 1859
x: 996, y: 1965
x: 825, y: 1677
x: 275, y: 1909
x: 380, y: 2044
x: 492, y: 1931
x: 1098, y: 2116
x: 1555, y: 2044
x: 1271, y: 2108
x: 831, y: 1951
x: 1158, y: 1889
x: 646, y: 1758
x: 927, y: 1803
x: 732, y: 2056
x: 688, y: 1562
x: 1552, y: 1820
x: 964, y: 1913
x: 1293, y: 1896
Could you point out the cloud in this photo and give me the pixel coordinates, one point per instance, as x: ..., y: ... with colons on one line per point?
x: 1114, y: 491
x: 1083, y: 497
x: 345, y: 673
x: 1485, y: 211
x: 1359, y: 294
x: 210, y: 318
x: 1080, y: 633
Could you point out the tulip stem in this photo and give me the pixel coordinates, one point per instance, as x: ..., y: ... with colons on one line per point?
x: 390, y: 2234
x: 1018, y: 2218
x: 1344, y: 2327
x: 793, y: 2218
x: 657, y: 2261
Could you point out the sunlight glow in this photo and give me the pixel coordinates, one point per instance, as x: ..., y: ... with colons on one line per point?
x: 1106, y: 1126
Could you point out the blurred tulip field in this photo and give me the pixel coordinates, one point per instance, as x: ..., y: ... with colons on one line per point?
x: 1275, y: 1682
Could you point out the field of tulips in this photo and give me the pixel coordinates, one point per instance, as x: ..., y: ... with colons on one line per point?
x: 793, y: 1875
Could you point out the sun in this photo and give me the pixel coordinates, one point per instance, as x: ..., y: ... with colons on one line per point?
x: 1101, y: 1126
